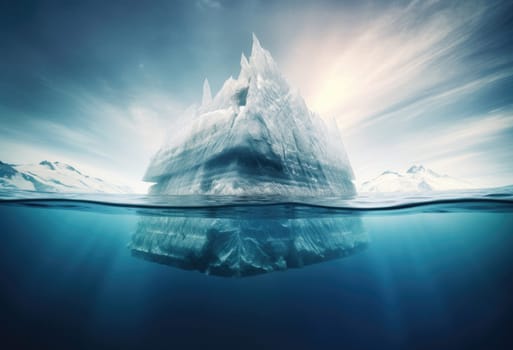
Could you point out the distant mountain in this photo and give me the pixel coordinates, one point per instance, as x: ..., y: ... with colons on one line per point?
x: 416, y: 179
x: 53, y: 177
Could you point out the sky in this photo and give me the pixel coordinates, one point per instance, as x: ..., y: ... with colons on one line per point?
x: 99, y: 84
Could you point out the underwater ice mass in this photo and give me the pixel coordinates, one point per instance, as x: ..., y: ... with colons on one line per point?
x: 256, y: 136
x: 243, y: 246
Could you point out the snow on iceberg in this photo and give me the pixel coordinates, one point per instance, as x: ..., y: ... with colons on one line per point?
x: 255, y: 136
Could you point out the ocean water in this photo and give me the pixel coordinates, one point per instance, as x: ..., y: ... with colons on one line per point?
x: 132, y: 272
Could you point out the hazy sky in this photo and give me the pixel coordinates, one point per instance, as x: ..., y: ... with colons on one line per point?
x: 97, y: 83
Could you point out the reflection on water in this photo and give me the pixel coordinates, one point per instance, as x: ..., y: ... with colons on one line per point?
x: 246, y: 245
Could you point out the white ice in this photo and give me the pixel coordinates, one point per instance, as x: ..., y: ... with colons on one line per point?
x: 255, y: 136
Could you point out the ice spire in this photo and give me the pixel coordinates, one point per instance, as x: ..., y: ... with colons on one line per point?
x: 243, y: 61
x: 258, y: 54
x: 207, y: 95
x: 244, y: 67
x: 260, y: 59
x: 256, y: 44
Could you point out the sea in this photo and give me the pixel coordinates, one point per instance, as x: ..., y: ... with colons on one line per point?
x: 397, y: 271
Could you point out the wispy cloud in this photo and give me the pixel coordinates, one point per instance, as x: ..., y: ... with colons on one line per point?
x: 119, y: 134
x: 414, y: 83
x: 467, y: 149
x: 391, y: 58
x: 208, y: 4
x: 422, y: 105
x: 463, y: 135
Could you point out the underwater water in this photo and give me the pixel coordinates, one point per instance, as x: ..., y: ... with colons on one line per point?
x: 361, y: 273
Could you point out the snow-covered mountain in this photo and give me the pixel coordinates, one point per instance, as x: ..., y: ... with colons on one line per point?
x: 416, y: 179
x: 256, y: 136
x: 53, y: 177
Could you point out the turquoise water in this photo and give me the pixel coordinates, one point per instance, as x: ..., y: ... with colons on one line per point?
x: 358, y: 273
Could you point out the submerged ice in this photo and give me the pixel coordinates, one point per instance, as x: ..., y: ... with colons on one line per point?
x: 243, y: 245
x: 255, y: 136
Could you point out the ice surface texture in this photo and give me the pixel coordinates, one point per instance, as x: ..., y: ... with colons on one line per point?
x: 243, y: 246
x: 256, y: 136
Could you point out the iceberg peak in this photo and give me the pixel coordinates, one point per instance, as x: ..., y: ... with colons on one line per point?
x: 207, y: 94
x: 256, y: 47
x: 260, y: 59
x: 243, y: 61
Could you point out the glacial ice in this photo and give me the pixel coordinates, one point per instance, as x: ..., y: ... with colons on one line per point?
x: 256, y: 136
x: 244, y: 245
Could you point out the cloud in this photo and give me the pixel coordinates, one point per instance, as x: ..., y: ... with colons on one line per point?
x: 467, y: 149
x: 420, y: 106
x: 208, y: 4
x: 358, y: 70
x: 118, y: 134
x: 421, y: 82
x: 474, y: 131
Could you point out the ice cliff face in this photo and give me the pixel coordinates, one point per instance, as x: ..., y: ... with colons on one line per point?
x: 256, y: 136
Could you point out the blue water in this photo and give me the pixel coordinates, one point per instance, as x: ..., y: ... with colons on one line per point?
x: 410, y: 273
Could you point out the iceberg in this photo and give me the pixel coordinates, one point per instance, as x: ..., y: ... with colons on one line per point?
x: 248, y: 244
x: 255, y: 136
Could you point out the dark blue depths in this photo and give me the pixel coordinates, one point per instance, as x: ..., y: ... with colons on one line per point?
x: 425, y: 280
